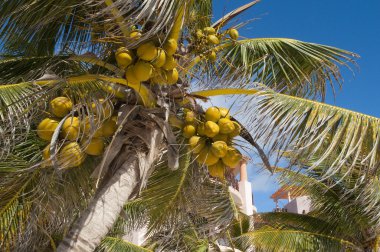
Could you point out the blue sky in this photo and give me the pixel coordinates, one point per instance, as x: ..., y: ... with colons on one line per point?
x: 350, y: 24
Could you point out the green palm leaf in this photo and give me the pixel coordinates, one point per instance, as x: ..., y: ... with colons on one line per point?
x: 286, y: 65
x: 273, y: 239
x: 112, y: 244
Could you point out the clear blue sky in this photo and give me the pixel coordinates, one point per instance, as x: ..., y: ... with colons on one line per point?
x: 351, y: 25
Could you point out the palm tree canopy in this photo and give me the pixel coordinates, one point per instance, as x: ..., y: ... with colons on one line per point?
x: 70, y: 48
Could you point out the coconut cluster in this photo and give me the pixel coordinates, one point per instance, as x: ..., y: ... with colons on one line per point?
x: 209, y: 37
x: 149, y: 63
x: 210, y: 138
x: 80, y: 136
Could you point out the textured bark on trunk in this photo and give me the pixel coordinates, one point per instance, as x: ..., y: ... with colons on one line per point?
x: 102, y: 212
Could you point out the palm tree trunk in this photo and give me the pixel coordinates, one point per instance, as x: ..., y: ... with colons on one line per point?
x: 102, y: 212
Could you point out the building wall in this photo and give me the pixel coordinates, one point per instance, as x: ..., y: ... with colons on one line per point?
x: 299, y: 205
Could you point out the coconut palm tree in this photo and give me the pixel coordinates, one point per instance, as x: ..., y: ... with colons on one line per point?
x: 129, y: 74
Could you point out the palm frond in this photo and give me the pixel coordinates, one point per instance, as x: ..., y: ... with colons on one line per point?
x: 272, y: 239
x: 113, y: 244
x: 286, y: 65
x: 316, y: 130
x: 165, y: 192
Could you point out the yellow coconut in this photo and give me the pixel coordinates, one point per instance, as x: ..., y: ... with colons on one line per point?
x: 142, y: 70
x: 197, y: 144
x: 189, y: 131
x: 159, y: 61
x: 172, y: 76
x: 71, y: 128
x: 71, y: 155
x: 212, y: 114
x: 109, y: 128
x: 104, y: 110
x: 147, y: 51
x: 130, y: 76
x: 212, y: 56
x: 224, y: 112
x: 209, y: 30
x: 212, y: 39
x: 236, y: 130
x: 190, y: 117
x: 46, y: 128
x: 232, y: 158
x: 199, y: 34
x: 170, y: 63
x: 159, y: 77
x: 170, y: 46
x: 124, y: 57
x: 206, y: 157
x: 91, y: 127
x: 219, y: 148
x: 217, y: 170
x: 46, y: 156
x: 226, y: 126
x: 94, y: 147
x: 234, y: 34
x: 221, y: 137
x: 201, y: 129
x: 135, y: 35
x: 61, y: 106
x: 211, y: 129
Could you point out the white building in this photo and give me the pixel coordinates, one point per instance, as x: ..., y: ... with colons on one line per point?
x: 297, y: 201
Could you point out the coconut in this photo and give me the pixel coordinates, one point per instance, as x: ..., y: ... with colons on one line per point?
x: 197, y: 143
x: 71, y: 155
x: 209, y: 30
x: 212, y: 56
x: 71, y: 128
x: 61, y: 106
x: 212, y: 39
x: 224, y: 112
x: 219, y: 148
x: 212, y: 114
x: 221, y: 137
x: 170, y: 63
x: 46, y: 128
x: 232, y: 158
x: 159, y: 77
x: 190, y: 117
x: 142, y: 71
x: 236, y: 130
x: 94, y: 147
x: 172, y: 76
x: 226, y: 126
x: 199, y: 34
x: 131, y: 78
x: 135, y: 35
x: 206, y: 157
x: 91, y: 127
x: 170, y: 46
x: 109, y: 128
x: 105, y: 110
x: 201, y: 129
x: 217, y: 170
x: 159, y: 61
x: 211, y: 129
x: 189, y: 131
x: 46, y: 156
x: 147, y: 51
x: 234, y: 34
x: 124, y: 57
